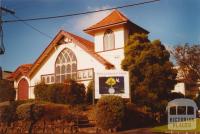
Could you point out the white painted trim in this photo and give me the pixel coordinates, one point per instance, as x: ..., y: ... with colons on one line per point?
x: 17, y: 83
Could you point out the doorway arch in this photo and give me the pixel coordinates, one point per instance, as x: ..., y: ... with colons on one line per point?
x: 23, y: 89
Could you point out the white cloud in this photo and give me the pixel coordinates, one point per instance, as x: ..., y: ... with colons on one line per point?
x: 77, y: 24
x: 91, y: 19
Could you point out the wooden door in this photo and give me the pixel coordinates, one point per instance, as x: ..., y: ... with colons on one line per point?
x: 23, y: 89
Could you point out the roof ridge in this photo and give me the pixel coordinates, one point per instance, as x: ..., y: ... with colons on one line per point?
x: 113, y: 18
x: 79, y: 37
x: 100, y: 21
x: 82, y: 40
x: 23, y: 69
x: 122, y: 15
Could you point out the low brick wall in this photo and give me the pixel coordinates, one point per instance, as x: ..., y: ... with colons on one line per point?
x: 40, y: 127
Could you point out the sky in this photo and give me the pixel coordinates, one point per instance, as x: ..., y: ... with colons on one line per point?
x: 171, y: 21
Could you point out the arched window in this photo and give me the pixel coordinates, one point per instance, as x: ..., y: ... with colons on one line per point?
x: 109, y: 40
x: 66, y: 66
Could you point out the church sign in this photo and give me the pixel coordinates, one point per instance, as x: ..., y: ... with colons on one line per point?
x: 112, y: 83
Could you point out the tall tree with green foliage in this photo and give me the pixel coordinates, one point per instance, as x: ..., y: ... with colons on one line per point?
x: 152, y: 76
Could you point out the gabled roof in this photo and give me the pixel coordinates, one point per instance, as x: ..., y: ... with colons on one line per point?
x: 90, y: 49
x: 86, y: 45
x: 115, y: 18
x: 21, y: 70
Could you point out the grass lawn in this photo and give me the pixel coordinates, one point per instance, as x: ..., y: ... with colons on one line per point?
x: 164, y: 128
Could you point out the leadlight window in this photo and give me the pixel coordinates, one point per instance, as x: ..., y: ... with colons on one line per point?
x: 66, y: 66
x: 109, y: 40
x: 48, y: 78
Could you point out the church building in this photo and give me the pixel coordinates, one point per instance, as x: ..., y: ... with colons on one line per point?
x: 71, y: 56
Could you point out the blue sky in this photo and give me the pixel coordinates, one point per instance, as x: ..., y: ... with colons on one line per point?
x: 172, y: 21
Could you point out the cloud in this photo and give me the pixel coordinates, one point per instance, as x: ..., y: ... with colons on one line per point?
x: 77, y: 24
x: 91, y: 19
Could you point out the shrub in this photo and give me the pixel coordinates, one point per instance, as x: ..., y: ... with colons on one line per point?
x: 89, y: 94
x: 58, y: 111
x: 69, y: 93
x: 8, y: 112
x: 110, y: 112
x: 35, y: 111
x: 7, y: 91
x: 30, y: 111
x: 175, y: 95
x: 75, y: 92
x: 41, y: 92
x: 136, y: 116
x: 57, y: 94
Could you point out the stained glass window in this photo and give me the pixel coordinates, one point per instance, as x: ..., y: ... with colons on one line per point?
x: 65, y: 66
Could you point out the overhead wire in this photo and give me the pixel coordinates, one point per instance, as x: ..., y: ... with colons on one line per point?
x: 79, y: 13
x: 34, y: 28
x: 24, y: 21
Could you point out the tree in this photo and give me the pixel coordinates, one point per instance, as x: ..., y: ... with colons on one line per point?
x: 89, y: 94
x: 188, y: 59
x: 152, y: 76
x: 7, y: 91
x: 175, y: 95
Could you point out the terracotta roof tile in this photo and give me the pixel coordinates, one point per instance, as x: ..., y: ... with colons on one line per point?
x: 21, y: 70
x: 114, y: 17
x: 87, y: 43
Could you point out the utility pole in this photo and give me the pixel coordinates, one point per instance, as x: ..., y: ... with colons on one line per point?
x: 2, y: 49
x: 6, y: 10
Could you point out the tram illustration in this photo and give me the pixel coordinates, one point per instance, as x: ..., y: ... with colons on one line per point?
x: 182, y: 114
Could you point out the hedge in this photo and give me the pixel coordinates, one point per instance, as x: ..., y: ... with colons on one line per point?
x: 35, y: 111
x: 41, y: 92
x: 49, y: 111
x: 110, y: 112
x: 69, y: 93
